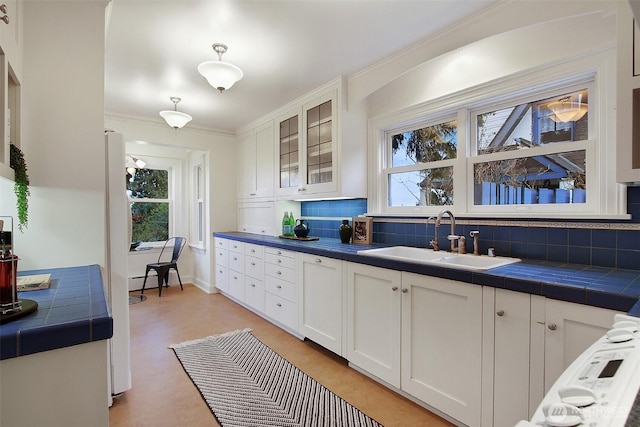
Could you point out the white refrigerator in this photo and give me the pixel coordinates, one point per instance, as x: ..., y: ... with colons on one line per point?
x: 115, y: 274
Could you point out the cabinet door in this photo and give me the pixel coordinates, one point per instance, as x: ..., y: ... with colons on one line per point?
x: 373, y: 321
x: 319, y: 155
x: 512, y: 317
x: 570, y: 329
x: 320, y: 301
x: 442, y: 345
x: 264, y: 160
x: 247, y: 165
x: 288, y: 153
x: 236, y: 285
x: 222, y: 278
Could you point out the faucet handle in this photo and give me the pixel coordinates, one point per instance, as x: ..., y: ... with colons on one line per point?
x: 474, y: 233
x: 453, y: 237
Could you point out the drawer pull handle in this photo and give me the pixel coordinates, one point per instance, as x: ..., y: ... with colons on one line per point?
x: 318, y: 260
x: 235, y: 277
x: 253, y: 251
x: 278, y: 286
x: 253, y: 285
x: 279, y: 253
x: 278, y: 304
x: 279, y: 261
x: 253, y: 263
x: 553, y: 326
x: 395, y: 288
x: 405, y: 290
x: 278, y: 272
x: 500, y: 313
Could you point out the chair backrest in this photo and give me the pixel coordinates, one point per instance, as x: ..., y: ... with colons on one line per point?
x: 175, y: 244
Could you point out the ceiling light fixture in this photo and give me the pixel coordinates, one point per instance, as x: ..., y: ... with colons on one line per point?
x: 219, y: 74
x: 566, y: 110
x: 175, y: 118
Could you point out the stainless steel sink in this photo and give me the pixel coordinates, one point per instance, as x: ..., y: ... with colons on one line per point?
x: 439, y: 258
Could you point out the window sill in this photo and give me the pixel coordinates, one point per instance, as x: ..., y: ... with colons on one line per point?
x: 507, y: 216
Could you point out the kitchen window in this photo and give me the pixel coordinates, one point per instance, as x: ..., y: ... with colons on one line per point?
x: 198, y: 207
x: 528, y: 146
x: 150, y: 200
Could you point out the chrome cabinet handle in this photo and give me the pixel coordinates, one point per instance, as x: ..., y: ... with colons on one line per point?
x: 278, y: 272
x: 253, y: 263
x: 278, y: 286
x: 278, y: 304
x: 405, y: 290
x: 279, y: 261
x: 395, y: 288
x: 253, y: 285
x: 500, y: 313
x: 553, y: 327
x: 318, y: 260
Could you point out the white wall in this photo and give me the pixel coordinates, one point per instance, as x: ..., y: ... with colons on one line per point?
x: 62, y: 134
x: 145, y: 136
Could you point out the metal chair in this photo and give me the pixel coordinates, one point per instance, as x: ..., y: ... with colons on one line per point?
x: 176, y: 244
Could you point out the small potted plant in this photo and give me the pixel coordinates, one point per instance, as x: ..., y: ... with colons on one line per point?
x: 20, y: 186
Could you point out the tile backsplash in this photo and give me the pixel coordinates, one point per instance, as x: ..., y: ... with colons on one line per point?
x: 600, y: 243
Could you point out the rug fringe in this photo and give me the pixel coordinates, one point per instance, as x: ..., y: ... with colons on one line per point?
x: 199, y: 340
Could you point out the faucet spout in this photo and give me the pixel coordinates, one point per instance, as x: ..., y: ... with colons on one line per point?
x: 452, y: 218
x: 433, y: 243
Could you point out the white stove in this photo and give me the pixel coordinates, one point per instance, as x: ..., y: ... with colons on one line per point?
x: 599, y: 388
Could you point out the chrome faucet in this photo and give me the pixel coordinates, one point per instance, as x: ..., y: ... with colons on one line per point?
x: 475, y: 234
x: 453, y: 229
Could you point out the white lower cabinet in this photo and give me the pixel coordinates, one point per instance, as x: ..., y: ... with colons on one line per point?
x: 254, y: 276
x: 506, y: 355
x: 442, y: 345
x: 569, y: 330
x: 373, y: 321
x: 280, y: 287
x: 222, y: 264
x: 320, y: 300
x: 236, y: 270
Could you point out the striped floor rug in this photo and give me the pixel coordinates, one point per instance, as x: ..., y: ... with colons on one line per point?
x: 245, y: 383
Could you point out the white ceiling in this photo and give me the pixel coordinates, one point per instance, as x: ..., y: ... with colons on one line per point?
x: 285, y: 48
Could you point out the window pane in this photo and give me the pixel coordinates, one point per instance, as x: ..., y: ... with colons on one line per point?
x: 550, y: 178
x: 429, y: 144
x: 426, y: 187
x: 548, y: 121
x: 150, y: 221
x: 149, y: 184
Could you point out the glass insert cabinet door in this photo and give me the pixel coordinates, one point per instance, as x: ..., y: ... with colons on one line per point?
x: 307, y: 148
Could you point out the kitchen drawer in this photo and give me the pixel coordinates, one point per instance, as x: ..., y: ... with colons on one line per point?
x: 221, y: 243
x: 274, y: 270
x: 222, y: 257
x: 281, y: 288
x: 254, y: 267
x: 281, y: 310
x: 236, y: 261
x: 235, y: 246
x: 280, y: 260
x: 236, y: 285
x: 254, y: 293
x: 279, y: 252
x: 222, y: 278
x: 254, y: 250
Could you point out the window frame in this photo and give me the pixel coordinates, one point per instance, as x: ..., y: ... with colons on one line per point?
x: 169, y: 165
x: 198, y: 195
x: 596, y: 73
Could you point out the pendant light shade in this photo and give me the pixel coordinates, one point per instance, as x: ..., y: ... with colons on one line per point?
x: 567, y: 110
x: 221, y: 75
x: 175, y: 118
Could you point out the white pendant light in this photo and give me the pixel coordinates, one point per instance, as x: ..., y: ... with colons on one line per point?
x: 221, y: 75
x: 175, y: 118
x: 565, y: 110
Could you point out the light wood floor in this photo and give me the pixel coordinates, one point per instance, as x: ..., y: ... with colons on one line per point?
x: 163, y: 395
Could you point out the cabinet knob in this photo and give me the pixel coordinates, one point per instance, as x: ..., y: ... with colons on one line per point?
x: 395, y: 288
x: 253, y: 285
x: 500, y: 313
x: 253, y: 250
x: 405, y: 290
x: 278, y: 304
x: 279, y: 261
x: 318, y: 260
x: 235, y: 277
x: 278, y: 272
x: 252, y: 194
x: 278, y: 286
x: 253, y: 263
x: 553, y: 327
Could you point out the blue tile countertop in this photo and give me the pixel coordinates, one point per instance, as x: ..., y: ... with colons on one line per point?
x: 74, y: 310
x: 610, y: 288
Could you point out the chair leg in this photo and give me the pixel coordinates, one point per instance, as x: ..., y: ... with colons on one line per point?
x: 145, y: 281
x: 179, y: 279
x: 160, y: 279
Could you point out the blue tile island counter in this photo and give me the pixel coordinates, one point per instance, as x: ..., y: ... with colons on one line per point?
x: 610, y: 288
x: 53, y: 365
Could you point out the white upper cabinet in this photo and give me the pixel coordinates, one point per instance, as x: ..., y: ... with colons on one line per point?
x: 628, y: 97
x: 255, y: 163
x: 320, y: 147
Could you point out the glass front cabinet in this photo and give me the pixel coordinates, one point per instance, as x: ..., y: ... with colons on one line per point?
x: 307, y: 148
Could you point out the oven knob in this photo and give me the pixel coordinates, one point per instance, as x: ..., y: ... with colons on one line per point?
x: 577, y: 395
x: 620, y: 335
x: 561, y: 415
